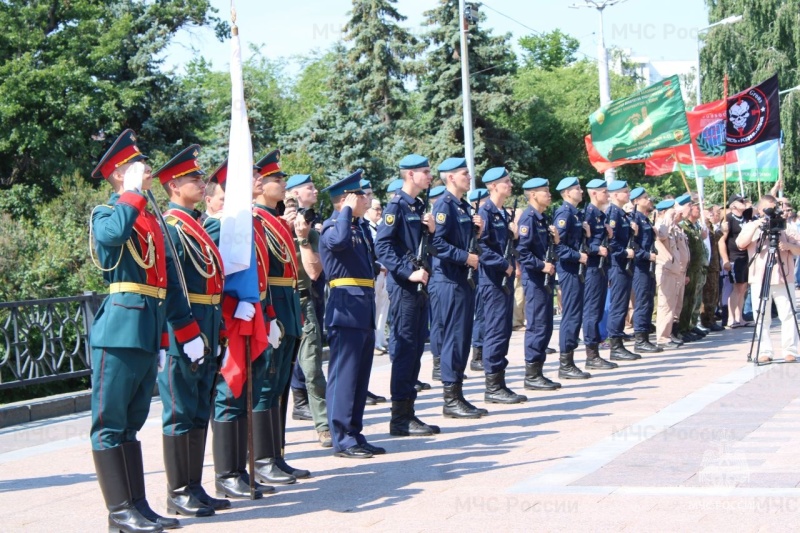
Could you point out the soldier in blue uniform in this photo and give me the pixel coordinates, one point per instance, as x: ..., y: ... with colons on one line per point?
x: 269, y: 414
x: 619, y: 280
x: 536, y: 248
x: 185, y: 384
x: 474, y: 197
x: 129, y: 333
x: 433, y: 332
x: 349, y: 317
x: 456, y: 227
x: 571, y: 234
x: 397, y: 245
x: 496, y: 301
x: 596, y: 286
x: 644, y: 284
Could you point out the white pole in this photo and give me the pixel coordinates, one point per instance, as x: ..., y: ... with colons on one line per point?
x: 741, y: 181
x: 780, y: 171
x: 469, y: 144
x: 697, y: 178
x: 605, y: 84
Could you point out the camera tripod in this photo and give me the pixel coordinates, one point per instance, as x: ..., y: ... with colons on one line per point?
x: 764, y: 296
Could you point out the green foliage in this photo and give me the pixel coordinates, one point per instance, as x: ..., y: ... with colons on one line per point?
x: 549, y: 50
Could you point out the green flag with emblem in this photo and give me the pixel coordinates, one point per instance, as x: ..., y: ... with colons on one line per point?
x: 633, y: 127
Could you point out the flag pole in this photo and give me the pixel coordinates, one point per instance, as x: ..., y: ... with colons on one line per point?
x: 725, y: 161
x: 741, y: 181
x: 680, y: 169
x: 697, y: 178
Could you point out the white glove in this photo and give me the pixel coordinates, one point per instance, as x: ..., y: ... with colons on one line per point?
x: 274, y: 336
x: 245, y: 311
x: 162, y: 359
x: 132, y: 181
x: 219, y: 350
x: 194, y: 349
x: 225, y: 358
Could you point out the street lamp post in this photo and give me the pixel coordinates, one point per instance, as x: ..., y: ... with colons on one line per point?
x: 469, y: 144
x: 729, y: 20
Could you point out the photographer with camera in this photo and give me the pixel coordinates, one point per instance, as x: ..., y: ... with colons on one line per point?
x: 760, y: 237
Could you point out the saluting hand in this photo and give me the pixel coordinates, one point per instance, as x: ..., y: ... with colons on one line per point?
x: 351, y: 201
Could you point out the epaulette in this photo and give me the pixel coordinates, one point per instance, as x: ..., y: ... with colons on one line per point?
x: 447, y: 197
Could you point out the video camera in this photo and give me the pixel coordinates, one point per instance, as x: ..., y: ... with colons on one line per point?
x: 308, y: 214
x: 775, y: 220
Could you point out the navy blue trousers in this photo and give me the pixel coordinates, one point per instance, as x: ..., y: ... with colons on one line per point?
x: 497, y: 310
x: 348, y: 377
x: 456, y: 304
x: 571, y: 310
x: 620, y: 290
x: 539, y: 320
x: 406, y: 339
x: 594, y: 303
x: 435, y: 325
x: 644, y: 289
x: 477, y: 325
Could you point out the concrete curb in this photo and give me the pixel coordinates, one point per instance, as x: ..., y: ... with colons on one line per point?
x: 32, y: 410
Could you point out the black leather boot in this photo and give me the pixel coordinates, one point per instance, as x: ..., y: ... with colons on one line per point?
x: 420, y: 386
x: 403, y: 422
x: 301, y: 409
x: 197, y: 453
x: 567, y: 368
x: 620, y: 353
x: 242, y: 456
x: 112, y: 475
x: 643, y: 344
x: 436, y: 375
x: 230, y: 458
x: 476, y: 364
x: 593, y: 359
x: 134, y: 464
x: 180, y: 500
x: 264, y: 441
x: 454, y: 404
x: 535, y: 379
x: 279, y: 434
x: 497, y: 392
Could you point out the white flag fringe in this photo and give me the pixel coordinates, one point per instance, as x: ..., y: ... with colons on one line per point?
x: 236, y: 234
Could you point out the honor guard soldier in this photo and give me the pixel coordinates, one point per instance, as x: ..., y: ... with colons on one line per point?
x: 186, y: 382
x: 129, y: 333
x: 397, y: 245
x: 269, y: 415
x: 536, y: 248
x: 495, y: 294
x: 596, y: 280
x: 456, y: 228
x: 474, y: 197
x: 644, y: 284
x: 619, y: 280
x: 669, y: 278
x: 310, y: 390
x: 571, y: 236
x: 349, y: 317
x: 244, y: 308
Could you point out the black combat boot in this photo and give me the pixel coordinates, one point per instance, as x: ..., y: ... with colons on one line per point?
x: 266, y: 453
x: 230, y: 459
x: 643, y: 344
x: 497, y: 392
x: 454, y: 404
x: 279, y: 434
x: 593, y: 359
x: 301, y: 409
x: 535, y: 379
x: 420, y: 386
x: 476, y: 364
x: 620, y: 353
x: 197, y: 454
x: 134, y: 464
x: 567, y: 368
x: 436, y: 375
x: 180, y: 500
x: 404, y: 423
x: 112, y: 475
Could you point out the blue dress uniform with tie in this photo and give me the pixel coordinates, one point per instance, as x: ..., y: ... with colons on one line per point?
x: 350, y: 321
x: 568, y: 221
x: 644, y: 284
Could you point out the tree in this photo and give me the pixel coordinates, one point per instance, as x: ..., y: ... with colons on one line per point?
x: 492, y: 66
x: 549, y: 50
x: 73, y: 74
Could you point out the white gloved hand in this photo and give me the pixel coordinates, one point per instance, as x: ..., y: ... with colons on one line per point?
x: 219, y: 350
x: 194, y: 349
x: 225, y: 358
x: 162, y: 359
x: 245, y: 311
x: 132, y: 180
x: 274, y: 336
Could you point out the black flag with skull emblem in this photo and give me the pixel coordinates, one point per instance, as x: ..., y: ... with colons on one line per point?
x: 754, y: 115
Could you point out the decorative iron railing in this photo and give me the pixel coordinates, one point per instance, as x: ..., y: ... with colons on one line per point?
x: 46, y: 340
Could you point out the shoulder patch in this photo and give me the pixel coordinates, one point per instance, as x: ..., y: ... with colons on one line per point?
x: 523, y: 230
x: 613, y: 223
x: 562, y: 223
x: 440, y: 218
x: 389, y: 219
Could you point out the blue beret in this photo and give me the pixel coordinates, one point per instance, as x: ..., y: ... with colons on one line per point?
x: 617, y: 185
x: 597, y: 183
x: 437, y: 191
x: 413, y: 161
x: 494, y: 174
x: 365, y: 184
x: 452, y: 163
x: 475, y: 194
x: 664, y: 204
x: 394, y: 185
x: 351, y: 183
x: 297, y: 180
x: 567, y: 182
x: 535, y: 183
x: 683, y: 199
x: 637, y: 192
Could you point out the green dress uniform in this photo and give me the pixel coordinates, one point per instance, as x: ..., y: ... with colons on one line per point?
x: 695, y: 273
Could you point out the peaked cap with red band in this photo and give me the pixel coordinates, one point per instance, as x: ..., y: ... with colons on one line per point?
x: 270, y: 165
x: 183, y: 164
x: 124, y: 150
x: 220, y: 174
